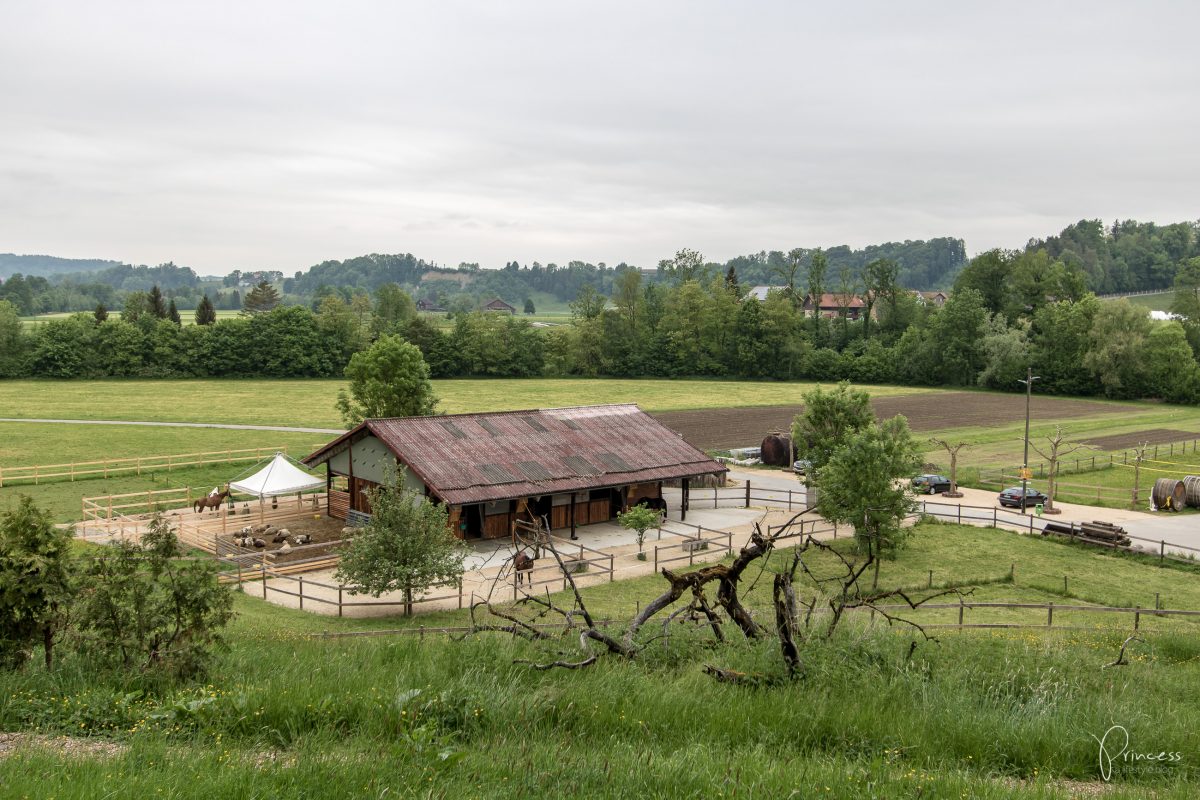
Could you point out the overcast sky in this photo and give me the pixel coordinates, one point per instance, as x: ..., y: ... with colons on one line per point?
x: 277, y: 135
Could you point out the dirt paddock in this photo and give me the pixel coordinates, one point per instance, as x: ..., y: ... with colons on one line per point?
x: 721, y: 428
x: 1123, y: 441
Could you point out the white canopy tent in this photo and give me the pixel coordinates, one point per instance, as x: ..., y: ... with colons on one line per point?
x: 278, y: 477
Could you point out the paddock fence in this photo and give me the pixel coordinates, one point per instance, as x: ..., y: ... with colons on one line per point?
x: 81, y: 470
x: 1136, y: 619
x: 1091, y: 463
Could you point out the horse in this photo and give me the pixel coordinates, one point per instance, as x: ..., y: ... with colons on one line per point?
x: 213, y: 501
x: 522, y: 563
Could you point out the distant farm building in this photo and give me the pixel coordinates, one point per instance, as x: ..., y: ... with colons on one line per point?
x: 935, y: 299
x: 500, y: 306
x: 428, y: 304
x: 831, y: 304
x: 569, y: 466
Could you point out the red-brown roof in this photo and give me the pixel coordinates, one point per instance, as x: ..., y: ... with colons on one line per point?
x: 829, y: 300
x: 473, y: 458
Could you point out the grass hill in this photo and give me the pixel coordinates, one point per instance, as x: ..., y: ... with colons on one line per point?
x: 992, y: 713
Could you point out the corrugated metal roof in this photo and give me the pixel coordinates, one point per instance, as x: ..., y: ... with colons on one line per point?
x: 471, y: 458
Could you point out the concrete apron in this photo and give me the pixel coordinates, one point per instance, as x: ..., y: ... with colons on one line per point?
x: 489, y: 572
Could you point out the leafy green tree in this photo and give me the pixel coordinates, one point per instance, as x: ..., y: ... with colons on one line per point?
x: 787, y: 270
x: 101, y: 313
x: 817, y: 268
x: 173, y: 312
x: 394, y: 309
x: 205, y: 313
x: 753, y: 354
x: 731, y: 282
x: 687, y: 265
x: 144, y: 605
x: 388, y: 379
x: 988, y: 276
x: 880, y: 288
x: 155, y: 302
x: 407, y: 546
x: 957, y: 332
x: 1006, y: 353
x: 260, y: 299
x: 783, y: 336
x: 136, y: 307
x: 862, y: 485
x: 828, y: 421
x: 13, y: 342
x: 1061, y: 338
x: 529, y: 309
x: 341, y: 328
x: 1186, y: 302
x: 120, y: 349
x: 36, y: 584
x: 1116, y: 351
x: 1170, y: 364
x: 639, y: 519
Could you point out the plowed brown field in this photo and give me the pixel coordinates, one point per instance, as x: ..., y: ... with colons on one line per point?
x: 722, y: 428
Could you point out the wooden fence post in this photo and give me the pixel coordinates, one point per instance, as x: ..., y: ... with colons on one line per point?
x: 339, y: 601
x: 1050, y: 615
x: 301, y: 592
x: 747, y: 494
x: 1137, y: 617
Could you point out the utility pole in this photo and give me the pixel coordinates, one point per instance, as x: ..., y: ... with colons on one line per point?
x: 1029, y: 379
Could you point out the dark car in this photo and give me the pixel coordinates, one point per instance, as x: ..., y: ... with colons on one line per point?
x: 1012, y: 497
x: 802, y: 466
x: 930, y: 484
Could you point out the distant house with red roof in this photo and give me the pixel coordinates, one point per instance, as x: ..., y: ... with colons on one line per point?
x: 831, y: 304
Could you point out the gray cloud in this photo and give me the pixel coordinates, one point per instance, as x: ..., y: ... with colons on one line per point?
x: 280, y: 134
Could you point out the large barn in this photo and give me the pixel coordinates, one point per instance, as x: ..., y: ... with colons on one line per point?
x: 572, y: 466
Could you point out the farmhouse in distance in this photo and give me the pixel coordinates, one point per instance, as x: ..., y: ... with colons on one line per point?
x: 570, y: 466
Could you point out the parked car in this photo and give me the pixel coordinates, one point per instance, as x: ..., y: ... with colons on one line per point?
x: 930, y: 484
x: 802, y: 466
x: 1012, y: 497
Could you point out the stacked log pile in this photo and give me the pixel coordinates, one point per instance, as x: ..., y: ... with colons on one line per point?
x: 1104, y: 534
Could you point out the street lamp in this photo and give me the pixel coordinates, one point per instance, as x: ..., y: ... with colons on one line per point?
x: 1028, y: 381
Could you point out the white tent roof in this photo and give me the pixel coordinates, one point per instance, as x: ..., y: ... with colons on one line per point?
x: 278, y: 477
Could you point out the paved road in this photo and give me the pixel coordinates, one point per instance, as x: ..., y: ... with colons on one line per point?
x: 280, y: 428
x: 1175, y: 533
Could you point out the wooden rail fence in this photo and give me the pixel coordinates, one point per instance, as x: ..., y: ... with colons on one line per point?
x: 79, y: 470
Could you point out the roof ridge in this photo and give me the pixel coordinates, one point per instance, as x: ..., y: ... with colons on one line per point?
x: 511, y: 411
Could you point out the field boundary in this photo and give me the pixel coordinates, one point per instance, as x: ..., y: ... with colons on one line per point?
x: 81, y: 470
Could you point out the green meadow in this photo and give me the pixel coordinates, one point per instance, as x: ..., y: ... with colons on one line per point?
x: 1001, y: 713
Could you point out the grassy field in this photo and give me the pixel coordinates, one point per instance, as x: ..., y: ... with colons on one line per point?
x: 24, y: 444
x: 1002, y: 445
x: 1001, y: 713
x: 187, y: 317
x: 309, y: 403
x: 1158, y: 301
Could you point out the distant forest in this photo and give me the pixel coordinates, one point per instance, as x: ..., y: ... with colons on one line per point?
x: 1126, y: 256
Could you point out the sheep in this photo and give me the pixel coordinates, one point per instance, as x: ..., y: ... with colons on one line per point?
x: 244, y: 541
x: 285, y: 548
x: 260, y: 543
x: 245, y: 508
x: 281, y: 535
x: 302, y: 538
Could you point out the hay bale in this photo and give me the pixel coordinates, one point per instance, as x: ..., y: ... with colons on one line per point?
x: 777, y: 450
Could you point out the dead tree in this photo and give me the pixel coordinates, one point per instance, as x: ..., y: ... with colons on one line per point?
x: 1058, y: 449
x: 952, y: 451
x: 843, y: 590
x: 1139, y: 457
